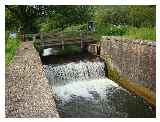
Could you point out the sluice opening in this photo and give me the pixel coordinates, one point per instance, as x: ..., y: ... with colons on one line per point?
x: 82, y: 89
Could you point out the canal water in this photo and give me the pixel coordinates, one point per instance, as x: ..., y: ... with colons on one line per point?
x: 81, y: 89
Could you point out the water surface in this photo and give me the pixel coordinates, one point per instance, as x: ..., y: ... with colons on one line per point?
x: 82, y: 90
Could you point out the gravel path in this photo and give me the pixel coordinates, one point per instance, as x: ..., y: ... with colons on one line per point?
x: 27, y: 91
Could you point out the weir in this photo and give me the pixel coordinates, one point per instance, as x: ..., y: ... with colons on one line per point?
x: 83, y: 90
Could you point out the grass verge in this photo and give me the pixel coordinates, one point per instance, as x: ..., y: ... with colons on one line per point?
x: 145, y: 33
x: 129, y: 32
x: 10, y: 49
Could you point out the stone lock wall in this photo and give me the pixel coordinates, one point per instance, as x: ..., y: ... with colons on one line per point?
x: 134, y: 60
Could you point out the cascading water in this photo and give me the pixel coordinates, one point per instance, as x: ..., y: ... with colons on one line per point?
x: 83, y: 91
x: 74, y: 72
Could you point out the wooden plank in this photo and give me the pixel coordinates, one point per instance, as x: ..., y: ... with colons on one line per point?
x: 60, y: 43
x: 68, y: 41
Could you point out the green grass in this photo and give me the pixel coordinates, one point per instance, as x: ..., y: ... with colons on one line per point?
x: 10, y: 49
x: 129, y: 32
x: 145, y: 33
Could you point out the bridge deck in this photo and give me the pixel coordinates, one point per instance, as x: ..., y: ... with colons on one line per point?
x: 58, y: 39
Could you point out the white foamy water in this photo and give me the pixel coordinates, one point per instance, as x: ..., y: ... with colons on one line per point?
x: 85, y: 88
x: 71, y: 72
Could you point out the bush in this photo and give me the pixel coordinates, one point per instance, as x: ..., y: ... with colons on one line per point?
x: 114, y: 30
x: 111, y: 30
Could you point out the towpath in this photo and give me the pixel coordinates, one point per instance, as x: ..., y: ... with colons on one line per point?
x: 27, y: 91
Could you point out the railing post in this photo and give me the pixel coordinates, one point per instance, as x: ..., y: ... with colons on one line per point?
x: 23, y: 37
x: 41, y: 39
x: 62, y: 44
x: 62, y: 41
x: 81, y: 38
x: 41, y: 35
x: 34, y: 38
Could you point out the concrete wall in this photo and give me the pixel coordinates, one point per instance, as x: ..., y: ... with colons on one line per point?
x: 134, y: 60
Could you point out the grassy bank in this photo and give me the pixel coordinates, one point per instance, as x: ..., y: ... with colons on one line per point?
x: 10, y: 49
x: 145, y: 33
x: 129, y: 32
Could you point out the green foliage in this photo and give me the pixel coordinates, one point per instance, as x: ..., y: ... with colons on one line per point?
x: 116, y: 30
x: 142, y: 16
x: 23, y: 18
x: 113, y: 74
x: 136, y: 16
x: 70, y: 15
x: 11, y: 24
x: 135, y: 22
x: 111, y: 30
x: 109, y: 20
x: 115, y: 15
x: 10, y: 49
x: 65, y: 16
x: 146, y: 33
x: 129, y: 32
x: 123, y: 21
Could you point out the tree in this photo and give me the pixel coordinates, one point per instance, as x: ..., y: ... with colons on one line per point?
x: 64, y: 16
x: 142, y: 16
x: 24, y: 17
x: 133, y: 15
x: 61, y: 16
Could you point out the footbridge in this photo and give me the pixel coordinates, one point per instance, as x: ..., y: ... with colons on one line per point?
x: 62, y: 39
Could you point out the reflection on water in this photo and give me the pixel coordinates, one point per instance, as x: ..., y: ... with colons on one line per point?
x: 83, y: 91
